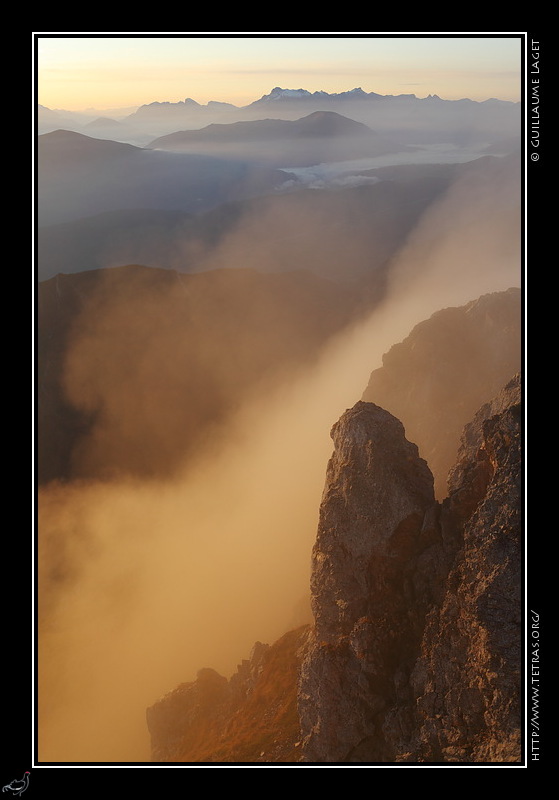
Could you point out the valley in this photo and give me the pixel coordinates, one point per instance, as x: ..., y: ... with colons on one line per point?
x: 219, y: 289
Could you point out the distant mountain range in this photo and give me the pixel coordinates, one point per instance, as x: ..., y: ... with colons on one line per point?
x: 427, y: 117
x: 279, y: 95
x: 287, y: 95
x: 282, y: 95
x: 430, y: 119
x: 276, y: 96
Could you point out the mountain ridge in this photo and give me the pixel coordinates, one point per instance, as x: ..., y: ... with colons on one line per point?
x: 432, y: 118
x: 276, y: 94
x: 120, y: 175
x: 318, y: 123
x: 319, y: 137
x: 269, y: 324
x: 485, y: 333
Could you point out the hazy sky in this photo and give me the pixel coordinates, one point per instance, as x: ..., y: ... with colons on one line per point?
x: 87, y: 70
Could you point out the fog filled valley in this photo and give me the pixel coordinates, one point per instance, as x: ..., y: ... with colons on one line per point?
x: 214, y: 291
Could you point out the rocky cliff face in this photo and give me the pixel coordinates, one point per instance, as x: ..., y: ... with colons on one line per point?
x: 376, y: 519
x: 467, y: 677
x: 415, y: 653
x: 424, y: 381
x: 251, y: 718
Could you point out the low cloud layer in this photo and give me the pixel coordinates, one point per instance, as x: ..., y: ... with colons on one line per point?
x: 143, y: 582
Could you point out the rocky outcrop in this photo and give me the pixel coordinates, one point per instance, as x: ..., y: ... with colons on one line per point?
x: 414, y: 656
x: 250, y: 718
x: 415, y: 653
x: 376, y: 519
x: 184, y: 717
x: 467, y: 677
x: 424, y: 382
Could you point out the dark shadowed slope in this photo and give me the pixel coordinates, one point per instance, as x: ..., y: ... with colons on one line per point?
x: 78, y: 175
x: 345, y: 233
x: 447, y: 367
x: 137, y: 366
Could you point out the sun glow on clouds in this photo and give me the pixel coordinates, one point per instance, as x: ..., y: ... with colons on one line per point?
x: 144, y: 583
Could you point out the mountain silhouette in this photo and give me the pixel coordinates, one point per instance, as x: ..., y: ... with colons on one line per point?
x: 320, y: 136
x: 79, y: 175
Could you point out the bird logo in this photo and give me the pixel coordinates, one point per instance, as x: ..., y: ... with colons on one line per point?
x: 17, y: 787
